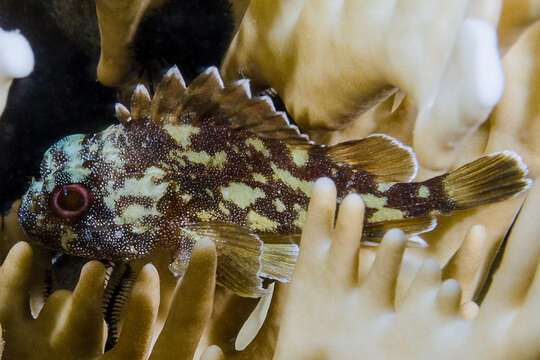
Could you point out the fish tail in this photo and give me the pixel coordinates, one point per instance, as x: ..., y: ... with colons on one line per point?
x: 491, y: 178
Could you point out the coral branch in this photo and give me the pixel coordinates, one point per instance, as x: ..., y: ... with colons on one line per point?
x: 118, y: 22
x: 16, y: 61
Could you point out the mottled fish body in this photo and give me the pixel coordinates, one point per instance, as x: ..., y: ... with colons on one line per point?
x: 210, y: 160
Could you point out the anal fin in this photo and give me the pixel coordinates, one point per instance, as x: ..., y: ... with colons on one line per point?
x: 374, y: 232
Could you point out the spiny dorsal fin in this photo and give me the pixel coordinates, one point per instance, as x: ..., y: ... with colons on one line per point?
x: 140, y: 103
x: 208, y: 99
x: 380, y: 155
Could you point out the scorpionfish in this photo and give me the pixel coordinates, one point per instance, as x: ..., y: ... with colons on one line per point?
x: 211, y: 160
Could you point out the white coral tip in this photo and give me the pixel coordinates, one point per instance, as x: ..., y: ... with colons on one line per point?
x: 16, y: 56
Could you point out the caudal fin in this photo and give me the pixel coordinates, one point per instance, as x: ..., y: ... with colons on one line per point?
x: 491, y: 178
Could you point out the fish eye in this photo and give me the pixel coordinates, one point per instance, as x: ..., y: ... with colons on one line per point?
x: 71, y: 200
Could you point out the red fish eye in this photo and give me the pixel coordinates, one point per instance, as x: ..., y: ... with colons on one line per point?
x: 70, y: 201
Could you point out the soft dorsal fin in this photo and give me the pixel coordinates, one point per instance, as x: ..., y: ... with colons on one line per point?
x: 208, y: 99
x: 380, y: 155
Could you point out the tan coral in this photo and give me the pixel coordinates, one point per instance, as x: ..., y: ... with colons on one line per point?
x: 118, y: 22
x: 331, y: 62
x: 512, y: 125
x: 517, y: 16
x: 66, y: 316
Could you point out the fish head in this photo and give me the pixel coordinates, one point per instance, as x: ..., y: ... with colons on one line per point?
x: 79, y: 203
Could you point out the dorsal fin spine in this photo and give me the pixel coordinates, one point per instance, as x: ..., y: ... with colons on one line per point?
x: 122, y: 113
x: 140, y: 102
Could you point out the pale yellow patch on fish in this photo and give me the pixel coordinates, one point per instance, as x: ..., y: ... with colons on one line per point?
x: 197, y: 157
x: 257, y: 221
x: 209, y: 192
x: 259, y: 177
x: 182, y: 133
x: 423, y: 191
x: 383, y: 187
x: 186, y: 197
x: 258, y: 145
x: 301, y: 217
x: 224, y: 209
x: 72, y: 149
x: 67, y: 236
x: 93, y: 148
x: 219, y: 159
x: 241, y: 194
x: 204, y: 215
x: 291, y: 181
x: 299, y: 155
x: 373, y: 201
x: 280, y: 207
x: 383, y: 213
x: 174, y: 160
x: 110, y: 152
x: 134, y: 213
x: 386, y: 214
x: 145, y: 187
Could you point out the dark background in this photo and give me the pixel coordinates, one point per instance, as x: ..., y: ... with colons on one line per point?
x: 62, y: 96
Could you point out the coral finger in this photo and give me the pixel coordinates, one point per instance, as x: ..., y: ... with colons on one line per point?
x: 192, y: 306
x: 530, y: 309
x: 16, y: 61
x: 472, y: 85
x: 366, y: 258
x: 140, y: 318
x: 466, y: 264
x: 381, y: 280
x: 343, y: 255
x: 213, y: 353
x: 85, y: 314
x: 424, y: 286
x: 518, y: 266
x: 14, y: 278
x: 469, y: 310
x: 52, y: 309
x: 320, y: 218
x: 448, y: 298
